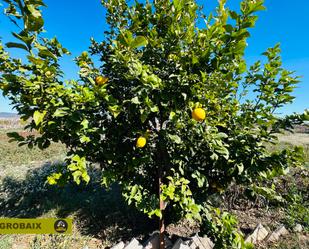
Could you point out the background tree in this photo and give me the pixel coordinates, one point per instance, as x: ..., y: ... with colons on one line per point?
x: 173, y: 114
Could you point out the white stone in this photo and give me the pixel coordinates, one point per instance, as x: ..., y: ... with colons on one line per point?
x: 188, y: 242
x: 259, y: 234
x: 298, y: 228
x: 180, y: 245
x: 192, y: 245
x: 134, y: 244
x: 120, y: 245
x: 207, y: 243
x: 154, y: 242
x: 201, y: 243
x: 274, y: 236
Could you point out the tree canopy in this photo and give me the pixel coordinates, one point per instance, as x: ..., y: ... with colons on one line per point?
x: 173, y: 105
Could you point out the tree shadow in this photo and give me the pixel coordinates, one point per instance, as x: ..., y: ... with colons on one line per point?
x: 97, y: 212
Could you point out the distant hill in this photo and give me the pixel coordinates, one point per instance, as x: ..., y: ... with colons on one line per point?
x: 8, y: 115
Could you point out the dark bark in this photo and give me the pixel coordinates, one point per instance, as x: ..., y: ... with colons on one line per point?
x: 161, y: 221
x: 161, y: 157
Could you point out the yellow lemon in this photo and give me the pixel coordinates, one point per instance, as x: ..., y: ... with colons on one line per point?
x: 100, y: 80
x: 48, y: 74
x: 198, y: 114
x: 141, y: 142
x: 4, y: 86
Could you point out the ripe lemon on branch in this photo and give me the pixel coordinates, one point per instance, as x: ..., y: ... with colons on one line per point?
x: 100, y: 80
x: 141, y: 142
x: 198, y: 114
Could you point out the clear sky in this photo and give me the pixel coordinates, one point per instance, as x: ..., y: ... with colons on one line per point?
x: 284, y: 21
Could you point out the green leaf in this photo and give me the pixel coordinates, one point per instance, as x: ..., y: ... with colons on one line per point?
x: 201, y: 179
x: 46, y: 53
x: 60, y: 112
x: 157, y: 212
x: 23, y: 36
x: 53, y: 179
x: 154, y: 109
x: 115, y: 110
x: 16, y: 45
x: 35, y: 24
x: 233, y: 14
x: 139, y: 41
x: 73, y: 167
x: 86, y: 177
x: 34, y: 12
x: 134, y: 190
x: 240, y: 168
x: 76, y: 176
x: 305, y: 115
x: 85, y: 139
x: 223, y: 151
x: 175, y: 138
x: 85, y: 124
x: 135, y: 100
x: 38, y: 117
x: 125, y: 37
x: 172, y: 115
x: 221, y: 135
x: 144, y: 115
x: 15, y: 136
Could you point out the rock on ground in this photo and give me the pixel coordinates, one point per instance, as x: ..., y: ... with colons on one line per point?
x: 259, y: 234
x: 298, y: 228
x: 134, y: 244
x: 154, y: 242
x: 180, y: 244
x: 120, y: 245
x: 274, y: 236
x: 200, y: 243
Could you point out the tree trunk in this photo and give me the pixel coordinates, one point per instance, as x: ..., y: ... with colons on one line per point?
x: 161, y: 157
x: 161, y: 221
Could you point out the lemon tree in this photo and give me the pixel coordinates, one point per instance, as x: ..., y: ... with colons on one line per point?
x: 173, y: 114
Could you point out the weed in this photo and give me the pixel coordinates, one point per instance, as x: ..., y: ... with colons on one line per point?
x: 5, y: 241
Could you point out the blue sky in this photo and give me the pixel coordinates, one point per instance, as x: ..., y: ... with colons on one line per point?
x: 287, y: 22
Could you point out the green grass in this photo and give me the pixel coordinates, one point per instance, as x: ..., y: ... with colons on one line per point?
x: 96, y: 212
x: 93, y: 209
x: 6, y: 241
x: 48, y: 241
x: 13, y: 155
x: 289, y: 140
x: 8, y: 123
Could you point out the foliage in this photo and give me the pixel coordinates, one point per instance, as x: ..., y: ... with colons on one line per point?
x: 222, y: 229
x: 158, y: 65
x: 296, y: 194
x: 297, y: 213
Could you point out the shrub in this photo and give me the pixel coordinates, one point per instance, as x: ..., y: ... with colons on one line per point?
x: 169, y: 114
